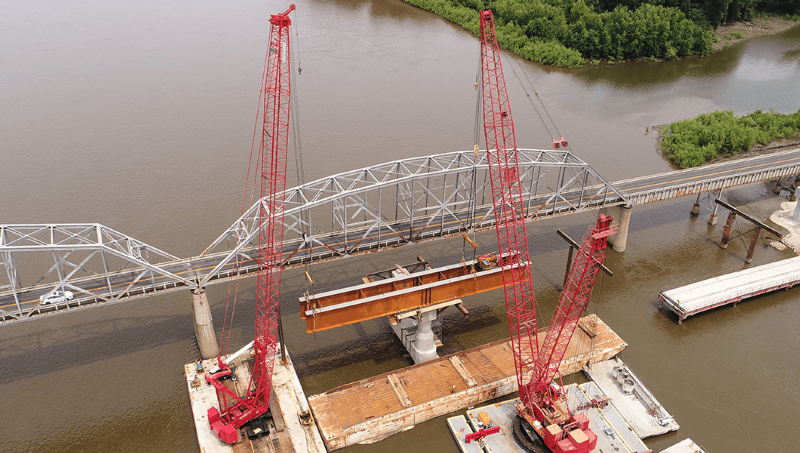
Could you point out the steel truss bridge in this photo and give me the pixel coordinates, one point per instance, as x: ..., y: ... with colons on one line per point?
x: 369, y: 209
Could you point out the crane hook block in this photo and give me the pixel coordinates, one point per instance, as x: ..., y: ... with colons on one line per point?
x: 560, y: 143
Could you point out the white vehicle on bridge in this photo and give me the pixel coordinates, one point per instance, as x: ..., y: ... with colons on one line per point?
x: 56, y: 297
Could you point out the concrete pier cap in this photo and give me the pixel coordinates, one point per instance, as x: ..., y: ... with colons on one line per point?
x: 203, y: 326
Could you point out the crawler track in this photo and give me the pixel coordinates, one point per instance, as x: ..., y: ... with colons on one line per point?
x: 526, y: 437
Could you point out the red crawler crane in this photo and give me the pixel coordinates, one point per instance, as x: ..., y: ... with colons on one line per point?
x: 235, y: 411
x: 543, y: 404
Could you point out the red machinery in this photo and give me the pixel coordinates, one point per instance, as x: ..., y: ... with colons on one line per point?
x: 235, y: 411
x: 543, y: 404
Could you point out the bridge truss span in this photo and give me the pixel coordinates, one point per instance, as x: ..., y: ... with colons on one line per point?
x: 89, y: 260
x: 414, y: 199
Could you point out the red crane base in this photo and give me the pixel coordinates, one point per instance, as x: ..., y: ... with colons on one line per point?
x: 574, y: 437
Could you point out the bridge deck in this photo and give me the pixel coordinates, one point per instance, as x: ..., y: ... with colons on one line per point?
x: 731, y: 288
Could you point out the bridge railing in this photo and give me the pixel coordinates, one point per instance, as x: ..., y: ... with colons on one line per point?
x: 695, y: 186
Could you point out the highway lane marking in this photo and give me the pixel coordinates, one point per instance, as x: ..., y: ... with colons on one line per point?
x: 706, y: 175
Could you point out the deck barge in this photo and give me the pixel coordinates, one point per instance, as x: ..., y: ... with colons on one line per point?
x: 292, y: 428
x: 731, y: 288
x: 374, y: 408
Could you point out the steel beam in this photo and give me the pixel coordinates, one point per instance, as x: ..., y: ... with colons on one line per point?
x: 751, y: 219
x: 396, y: 295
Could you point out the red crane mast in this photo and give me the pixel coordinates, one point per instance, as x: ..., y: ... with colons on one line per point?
x: 235, y: 411
x: 543, y: 404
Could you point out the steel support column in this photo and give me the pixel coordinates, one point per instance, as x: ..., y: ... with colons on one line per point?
x: 726, y: 233
x: 752, y: 249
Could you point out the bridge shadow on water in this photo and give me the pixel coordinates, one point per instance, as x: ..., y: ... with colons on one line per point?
x: 41, y: 349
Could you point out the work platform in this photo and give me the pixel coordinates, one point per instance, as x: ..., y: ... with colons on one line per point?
x: 621, y: 412
x: 292, y: 428
x: 616, y: 381
x: 731, y: 288
x: 685, y: 446
x: 372, y: 409
x: 613, y: 433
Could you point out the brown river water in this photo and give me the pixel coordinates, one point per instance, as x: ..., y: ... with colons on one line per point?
x: 139, y: 115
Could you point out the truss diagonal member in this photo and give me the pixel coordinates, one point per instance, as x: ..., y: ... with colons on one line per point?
x: 408, y: 193
x: 69, y: 238
x: 11, y: 271
x: 5, y: 314
x: 249, y: 217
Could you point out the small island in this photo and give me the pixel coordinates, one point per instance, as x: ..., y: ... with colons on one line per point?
x: 712, y: 136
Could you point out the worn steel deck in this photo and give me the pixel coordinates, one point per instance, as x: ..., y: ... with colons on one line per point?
x: 374, y: 408
x: 615, y: 380
x: 685, y: 446
x: 731, y: 288
x: 292, y: 429
x: 614, y: 433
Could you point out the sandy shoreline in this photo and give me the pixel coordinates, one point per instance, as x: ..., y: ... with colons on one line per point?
x: 759, y: 26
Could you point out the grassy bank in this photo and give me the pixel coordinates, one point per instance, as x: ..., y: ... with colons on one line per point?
x: 693, y: 142
x: 566, y: 33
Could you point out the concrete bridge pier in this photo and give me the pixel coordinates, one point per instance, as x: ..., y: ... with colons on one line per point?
x: 713, y: 219
x: 696, y: 207
x: 622, y: 214
x: 203, y: 326
x: 421, y: 344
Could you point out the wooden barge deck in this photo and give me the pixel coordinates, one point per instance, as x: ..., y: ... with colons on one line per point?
x: 372, y: 409
x: 731, y: 288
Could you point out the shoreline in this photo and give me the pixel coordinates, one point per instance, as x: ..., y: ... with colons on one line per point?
x: 755, y: 28
x: 727, y: 34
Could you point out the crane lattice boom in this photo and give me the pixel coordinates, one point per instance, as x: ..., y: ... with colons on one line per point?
x: 509, y: 209
x: 234, y: 411
x: 542, y: 403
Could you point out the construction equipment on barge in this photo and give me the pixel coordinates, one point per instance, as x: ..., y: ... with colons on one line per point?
x: 543, y: 416
x: 235, y: 411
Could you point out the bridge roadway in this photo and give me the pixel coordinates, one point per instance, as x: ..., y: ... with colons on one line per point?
x: 114, y: 287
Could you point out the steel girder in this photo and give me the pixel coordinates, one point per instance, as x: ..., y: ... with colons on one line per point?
x: 71, y: 257
x: 413, y: 199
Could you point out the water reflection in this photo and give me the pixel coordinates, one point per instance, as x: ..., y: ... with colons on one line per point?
x: 645, y: 74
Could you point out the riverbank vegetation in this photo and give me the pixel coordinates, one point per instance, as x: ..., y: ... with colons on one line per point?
x: 693, y: 142
x: 566, y: 32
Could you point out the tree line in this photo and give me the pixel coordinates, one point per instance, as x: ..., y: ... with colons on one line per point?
x: 566, y: 32
x: 693, y: 142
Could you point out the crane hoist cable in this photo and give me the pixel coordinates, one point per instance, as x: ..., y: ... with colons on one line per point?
x: 227, y: 324
x: 305, y: 217
x: 478, y: 126
x: 525, y: 89
x: 559, y: 142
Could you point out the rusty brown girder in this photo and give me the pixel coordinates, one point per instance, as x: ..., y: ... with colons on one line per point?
x: 396, y: 295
